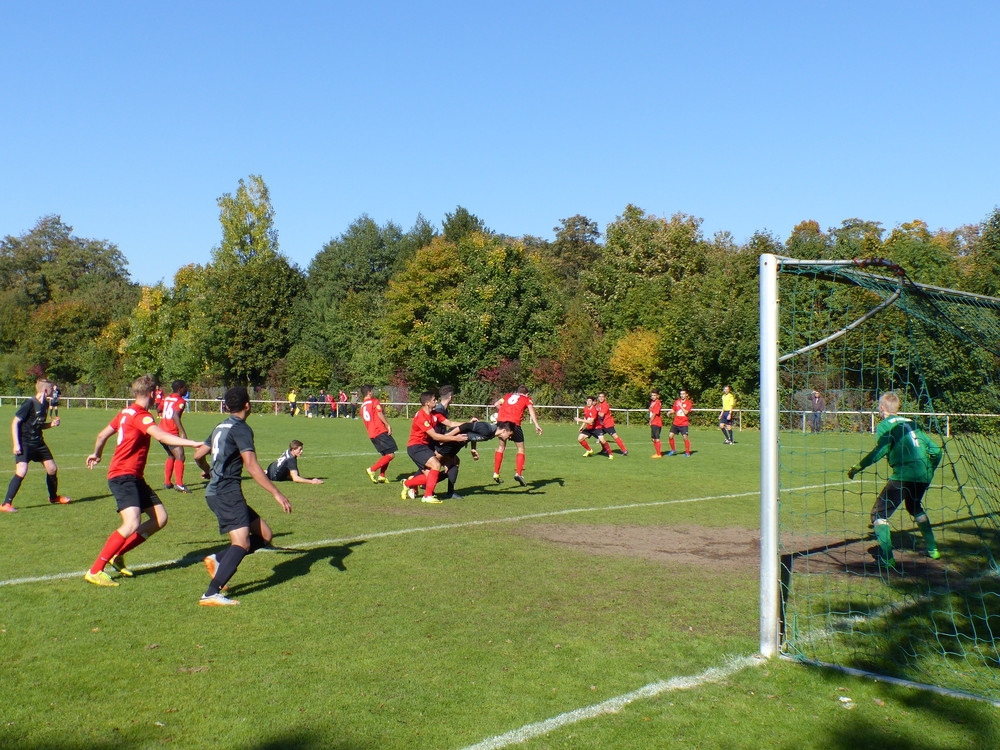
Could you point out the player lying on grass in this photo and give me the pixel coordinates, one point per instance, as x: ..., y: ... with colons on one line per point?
x: 286, y: 467
x: 232, y: 447
x: 134, y: 426
x: 913, y: 458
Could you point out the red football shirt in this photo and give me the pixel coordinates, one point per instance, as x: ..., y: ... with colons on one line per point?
x: 655, y: 408
x: 173, y: 405
x: 687, y: 406
x: 513, y: 407
x: 604, y: 417
x: 371, y: 410
x: 131, y: 424
x: 590, y: 413
x: 422, y: 421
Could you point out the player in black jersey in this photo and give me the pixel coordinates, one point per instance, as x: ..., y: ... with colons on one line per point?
x: 30, y: 420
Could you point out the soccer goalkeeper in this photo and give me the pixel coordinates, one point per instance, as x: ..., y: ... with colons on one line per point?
x: 913, y: 458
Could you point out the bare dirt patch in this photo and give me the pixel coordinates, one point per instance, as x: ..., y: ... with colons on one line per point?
x: 724, y: 549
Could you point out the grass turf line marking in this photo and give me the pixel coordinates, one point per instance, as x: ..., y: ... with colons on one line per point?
x: 414, y: 530
x: 613, y: 705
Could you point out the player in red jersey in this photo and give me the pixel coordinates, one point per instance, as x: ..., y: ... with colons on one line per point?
x: 380, y: 433
x: 655, y: 421
x: 420, y: 448
x: 589, y: 427
x: 134, y: 426
x: 607, y: 421
x: 158, y: 400
x: 511, y: 408
x: 173, y: 408
x: 681, y: 409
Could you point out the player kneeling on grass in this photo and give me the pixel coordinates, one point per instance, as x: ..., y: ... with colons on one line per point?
x: 232, y: 448
x: 913, y: 458
x: 134, y: 426
x: 286, y: 468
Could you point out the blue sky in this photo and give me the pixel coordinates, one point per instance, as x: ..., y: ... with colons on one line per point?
x: 130, y: 119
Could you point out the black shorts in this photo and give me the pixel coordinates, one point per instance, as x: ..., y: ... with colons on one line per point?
x: 517, y: 435
x: 595, y: 433
x: 39, y: 453
x: 676, y: 429
x: 896, y: 493
x: 609, y: 430
x: 385, y: 444
x: 130, y: 491
x: 654, y: 430
x: 726, y: 418
x: 420, y: 454
x: 448, y: 449
x: 232, y: 511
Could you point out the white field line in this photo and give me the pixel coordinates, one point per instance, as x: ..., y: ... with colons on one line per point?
x: 613, y: 705
x: 422, y: 529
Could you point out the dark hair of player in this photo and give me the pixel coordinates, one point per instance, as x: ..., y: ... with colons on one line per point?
x: 178, y: 386
x: 294, y: 444
x: 236, y: 398
x: 446, y: 390
x: 426, y: 397
x: 366, y: 389
x: 509, y: 426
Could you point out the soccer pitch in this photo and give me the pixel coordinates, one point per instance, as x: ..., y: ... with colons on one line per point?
x: 605, y: 604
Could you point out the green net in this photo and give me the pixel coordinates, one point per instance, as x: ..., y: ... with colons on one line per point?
x: 852, y: 331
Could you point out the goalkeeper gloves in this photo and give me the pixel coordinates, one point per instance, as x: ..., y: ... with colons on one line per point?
x: 852, y: 471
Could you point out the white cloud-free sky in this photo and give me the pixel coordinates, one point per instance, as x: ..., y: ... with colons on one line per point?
x: 130, y: 119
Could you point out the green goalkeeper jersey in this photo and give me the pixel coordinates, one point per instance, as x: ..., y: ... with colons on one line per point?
x: 913, y: 456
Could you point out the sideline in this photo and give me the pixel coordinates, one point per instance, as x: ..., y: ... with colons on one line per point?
x: 419, y: 530
x: 613, y: 705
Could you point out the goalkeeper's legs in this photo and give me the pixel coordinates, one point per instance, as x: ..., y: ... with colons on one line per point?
x: 882, y: 534
x: 924, y: 524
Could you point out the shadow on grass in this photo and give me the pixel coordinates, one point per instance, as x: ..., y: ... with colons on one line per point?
x: 298, y: 564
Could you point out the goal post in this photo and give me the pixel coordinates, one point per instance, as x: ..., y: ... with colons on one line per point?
x: 848, y: 331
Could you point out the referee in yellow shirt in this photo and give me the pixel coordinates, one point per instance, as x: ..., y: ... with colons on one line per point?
x: 726, y: 415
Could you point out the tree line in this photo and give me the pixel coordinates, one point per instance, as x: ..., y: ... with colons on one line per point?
x: 650, y: 301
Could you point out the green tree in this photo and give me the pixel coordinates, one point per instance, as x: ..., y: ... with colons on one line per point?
x: 460, y: 223
x: 256, y: 288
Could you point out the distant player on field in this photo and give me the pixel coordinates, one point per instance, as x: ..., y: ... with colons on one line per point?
x: 656, y: 421
x: 681, y: 411
x: 726, y: 415
x: 913, y: 458
x: 134, y: 427
x: 511, y: 408
x: 589, y: 428
x: 379, y: 431
x: 30, y: 420
x: 607, y: 422
x: 170, y: 421
x: 231, y: 445
x: 286, y: 467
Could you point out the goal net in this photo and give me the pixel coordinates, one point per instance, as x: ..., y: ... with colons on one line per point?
x: 835, y: 335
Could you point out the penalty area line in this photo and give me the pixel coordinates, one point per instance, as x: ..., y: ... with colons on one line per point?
x: 614, y: 705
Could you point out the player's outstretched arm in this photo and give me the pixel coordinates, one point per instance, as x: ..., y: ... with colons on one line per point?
x: 102, y: 438
x: 254, y: 469
x: 534, y: 419
x: 296, y: 477
x: 168, y: 438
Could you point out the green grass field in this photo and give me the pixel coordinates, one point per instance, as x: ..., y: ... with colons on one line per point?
x: 625, y: 591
